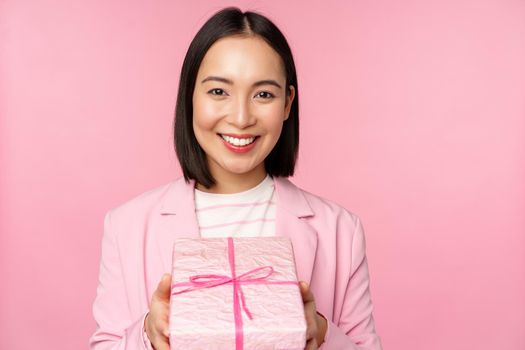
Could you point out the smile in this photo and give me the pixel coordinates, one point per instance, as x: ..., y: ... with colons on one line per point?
x: 242, y: 144
x: 239, y: 142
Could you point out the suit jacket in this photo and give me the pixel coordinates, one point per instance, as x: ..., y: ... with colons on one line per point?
x: 136, y: 250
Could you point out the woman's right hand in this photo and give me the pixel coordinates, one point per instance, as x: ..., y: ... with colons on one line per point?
x: 157, y: 319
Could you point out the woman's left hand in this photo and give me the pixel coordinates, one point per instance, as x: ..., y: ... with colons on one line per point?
x: 315, y: 323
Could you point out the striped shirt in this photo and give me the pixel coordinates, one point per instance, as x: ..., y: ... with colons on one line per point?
x: 250, y: 213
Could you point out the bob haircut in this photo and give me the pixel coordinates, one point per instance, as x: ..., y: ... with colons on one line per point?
x: 232, y: 21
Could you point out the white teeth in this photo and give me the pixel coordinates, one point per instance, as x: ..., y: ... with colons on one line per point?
x: 238, y: 142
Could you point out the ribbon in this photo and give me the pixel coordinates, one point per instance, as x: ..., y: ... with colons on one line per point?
x: 210, y: 281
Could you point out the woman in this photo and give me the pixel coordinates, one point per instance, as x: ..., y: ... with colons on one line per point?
x: 236, y: 138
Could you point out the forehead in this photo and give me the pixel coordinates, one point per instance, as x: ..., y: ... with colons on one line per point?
x: 239, y: 57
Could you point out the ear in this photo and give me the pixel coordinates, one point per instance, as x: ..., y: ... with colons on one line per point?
x: 288, y: 103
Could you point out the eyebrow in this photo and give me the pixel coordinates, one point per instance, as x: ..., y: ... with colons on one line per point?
x: 228, y: 81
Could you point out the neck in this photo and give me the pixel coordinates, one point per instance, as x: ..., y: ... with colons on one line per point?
x: 227, y: 183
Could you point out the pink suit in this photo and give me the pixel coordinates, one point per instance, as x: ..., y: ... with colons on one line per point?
x: 329, y: 250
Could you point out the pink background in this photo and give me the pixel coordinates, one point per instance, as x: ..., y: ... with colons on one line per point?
x: 413, y: 117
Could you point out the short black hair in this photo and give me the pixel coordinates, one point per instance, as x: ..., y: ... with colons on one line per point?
x: 228, y: 22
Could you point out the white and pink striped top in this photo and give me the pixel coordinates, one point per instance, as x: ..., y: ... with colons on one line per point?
x: 250, y: 213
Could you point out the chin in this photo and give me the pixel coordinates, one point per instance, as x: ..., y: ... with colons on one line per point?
x: 240, y: 171
x: 233, y: 166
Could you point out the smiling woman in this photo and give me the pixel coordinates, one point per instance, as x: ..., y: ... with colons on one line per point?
x: 238, y: 71
x: 236, y: 135
x: 239, y: 108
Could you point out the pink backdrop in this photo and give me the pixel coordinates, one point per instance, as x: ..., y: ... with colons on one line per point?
x: 415, y: 110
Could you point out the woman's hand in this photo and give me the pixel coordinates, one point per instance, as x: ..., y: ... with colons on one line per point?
x: 156, y: 322
x: 315, y: 323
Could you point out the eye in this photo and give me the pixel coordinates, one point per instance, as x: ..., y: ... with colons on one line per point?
x: 266, y: 95
x: 216, y: 92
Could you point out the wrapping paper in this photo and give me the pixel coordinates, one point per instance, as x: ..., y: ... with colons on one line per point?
x: 203, y: 312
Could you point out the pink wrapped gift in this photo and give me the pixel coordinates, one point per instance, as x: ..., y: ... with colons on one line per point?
x: 235, y: 293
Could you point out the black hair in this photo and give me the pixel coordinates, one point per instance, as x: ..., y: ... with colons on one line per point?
x: 228, y: 22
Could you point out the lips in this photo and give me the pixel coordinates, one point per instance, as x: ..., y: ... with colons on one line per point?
x: 239, y: 143
x: 239, y: 136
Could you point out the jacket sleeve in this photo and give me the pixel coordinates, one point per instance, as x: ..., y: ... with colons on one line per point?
x: 115, y: 329
x: 355, y: 329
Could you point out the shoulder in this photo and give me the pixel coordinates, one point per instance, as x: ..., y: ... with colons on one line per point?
x: 323, y: 208
x: 339, y: 229
x: 143, y: 204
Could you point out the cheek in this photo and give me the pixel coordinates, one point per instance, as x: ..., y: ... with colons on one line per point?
x: 205, y: 114
x: 274, y: 118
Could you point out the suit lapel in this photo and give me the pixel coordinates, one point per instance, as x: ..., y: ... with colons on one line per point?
x: 178, y: 219
x: 291, y: 221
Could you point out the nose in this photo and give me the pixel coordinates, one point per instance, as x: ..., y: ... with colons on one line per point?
x: 241, y: 115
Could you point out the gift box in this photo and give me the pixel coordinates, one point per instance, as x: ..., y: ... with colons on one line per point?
x: 235, y: 293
